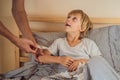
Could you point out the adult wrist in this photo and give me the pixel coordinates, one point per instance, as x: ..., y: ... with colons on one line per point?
x: 15, y: 40
x: 30, y: 38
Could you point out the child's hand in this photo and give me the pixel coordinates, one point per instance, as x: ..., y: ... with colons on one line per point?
x: 74, y: 65
x: 43, y: 59
x: 66, y: 61
x: 39, y: 53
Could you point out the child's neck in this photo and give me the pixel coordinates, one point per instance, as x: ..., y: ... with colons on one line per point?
x: 73, y: 38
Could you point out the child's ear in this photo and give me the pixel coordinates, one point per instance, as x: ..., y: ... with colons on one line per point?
x: 82, y: 30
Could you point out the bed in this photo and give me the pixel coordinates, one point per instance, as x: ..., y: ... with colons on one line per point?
x: 108, y: 40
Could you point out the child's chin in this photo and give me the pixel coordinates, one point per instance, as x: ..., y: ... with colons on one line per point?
x: 66, y: 30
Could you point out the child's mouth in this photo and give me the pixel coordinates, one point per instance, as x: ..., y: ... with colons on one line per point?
x: 67, y: 24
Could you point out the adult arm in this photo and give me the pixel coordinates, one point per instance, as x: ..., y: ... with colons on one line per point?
x: 20, y: 17
x: 22, y: 43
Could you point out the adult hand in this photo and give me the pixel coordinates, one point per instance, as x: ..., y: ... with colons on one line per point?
x: 26, y: 45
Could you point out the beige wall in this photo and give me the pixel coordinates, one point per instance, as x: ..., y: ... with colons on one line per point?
x: 7, y: 59
x: 1, y: 54
x: 94, y: 8
x: 7, y: 48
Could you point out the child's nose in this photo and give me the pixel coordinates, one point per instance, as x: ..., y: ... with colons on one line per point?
x: 68, y: 20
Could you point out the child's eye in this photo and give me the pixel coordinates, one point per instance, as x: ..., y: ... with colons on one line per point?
x: 74, y: 19
x: 68, y: 17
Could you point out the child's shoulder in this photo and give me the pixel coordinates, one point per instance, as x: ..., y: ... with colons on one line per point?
x: 88, y: 41
x: 60, y: 39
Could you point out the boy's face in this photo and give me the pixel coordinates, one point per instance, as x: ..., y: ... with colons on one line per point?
x: 73, y: 23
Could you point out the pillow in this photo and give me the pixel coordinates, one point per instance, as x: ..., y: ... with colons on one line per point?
x: 114, y: 32
x: 47, y: 38
x: 100, y: 37
x: 108, y: 41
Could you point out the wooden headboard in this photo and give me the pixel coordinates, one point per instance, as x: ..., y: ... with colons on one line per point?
x: 60, y: 20
x: 55, y: 19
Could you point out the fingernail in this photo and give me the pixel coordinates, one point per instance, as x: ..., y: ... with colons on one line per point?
x: 38, y: 46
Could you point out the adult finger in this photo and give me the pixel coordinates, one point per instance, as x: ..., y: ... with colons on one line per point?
x: 31, y: 51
